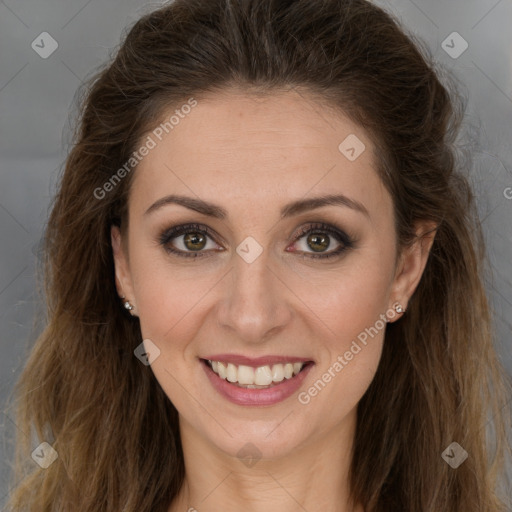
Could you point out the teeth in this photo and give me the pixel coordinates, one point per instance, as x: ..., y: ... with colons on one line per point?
x: 262, y: 376
x: 245, y: 375
x: 277, y: 373
x: 232, y: 373
x: 221, y: 370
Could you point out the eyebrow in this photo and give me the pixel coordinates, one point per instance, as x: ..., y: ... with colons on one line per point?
x: 289, y: 210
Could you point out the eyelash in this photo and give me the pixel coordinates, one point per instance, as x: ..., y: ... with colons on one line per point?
x: 338, y: 235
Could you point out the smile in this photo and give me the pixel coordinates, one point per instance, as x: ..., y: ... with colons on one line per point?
x: 256, y: 384
x: 253, y: 378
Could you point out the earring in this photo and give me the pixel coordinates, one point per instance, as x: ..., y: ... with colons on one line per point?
x: 399, y: 308
x: 128, y: 306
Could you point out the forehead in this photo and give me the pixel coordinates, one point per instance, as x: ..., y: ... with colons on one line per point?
x: 265, y: 149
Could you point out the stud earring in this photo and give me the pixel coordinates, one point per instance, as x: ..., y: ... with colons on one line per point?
x: 399, y: 308
x: 128, y: 306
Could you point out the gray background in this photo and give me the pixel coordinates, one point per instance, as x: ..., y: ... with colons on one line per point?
x: 36, y: 95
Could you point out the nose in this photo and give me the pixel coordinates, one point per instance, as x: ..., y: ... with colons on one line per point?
x: 254, y: 306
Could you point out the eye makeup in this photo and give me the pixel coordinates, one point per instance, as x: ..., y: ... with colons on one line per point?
x: 322, y: 229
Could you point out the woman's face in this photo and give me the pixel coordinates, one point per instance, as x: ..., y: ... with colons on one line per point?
x: 250, y: 283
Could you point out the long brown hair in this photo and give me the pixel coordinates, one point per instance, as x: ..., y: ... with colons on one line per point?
x: 439, y: 380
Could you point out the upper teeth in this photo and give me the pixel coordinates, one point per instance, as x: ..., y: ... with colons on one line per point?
x: 260, y: 376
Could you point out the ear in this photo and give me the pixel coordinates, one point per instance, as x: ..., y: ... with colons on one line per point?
x: 412, y: 262
x: 124, y: 284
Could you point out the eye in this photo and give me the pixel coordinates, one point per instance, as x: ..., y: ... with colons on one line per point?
x: 194, y: 238
x: 320, y: 238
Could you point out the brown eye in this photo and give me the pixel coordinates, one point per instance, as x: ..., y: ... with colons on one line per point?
x: 194, y: 241
x: 190, y: 240
x: 318, y: 241
x: 320, y: 238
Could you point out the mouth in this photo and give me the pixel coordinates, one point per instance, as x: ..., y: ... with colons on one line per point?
x: 255, y: 383
x: 260, y: 377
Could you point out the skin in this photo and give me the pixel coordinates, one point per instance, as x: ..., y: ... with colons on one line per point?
x: 252, y: 156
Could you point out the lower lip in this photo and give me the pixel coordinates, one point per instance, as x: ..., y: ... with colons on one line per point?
x: 265, y: 396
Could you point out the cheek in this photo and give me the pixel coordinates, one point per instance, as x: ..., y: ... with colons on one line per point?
x: 351, y: 305
x: 349, y: 299
x: 170, y: 304
x: 350, y: 350
x: 333, y: 394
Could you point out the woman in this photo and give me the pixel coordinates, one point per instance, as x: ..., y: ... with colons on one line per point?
x: 263, y: 277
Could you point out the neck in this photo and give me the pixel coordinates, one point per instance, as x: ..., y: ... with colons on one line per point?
x: 313, y: 477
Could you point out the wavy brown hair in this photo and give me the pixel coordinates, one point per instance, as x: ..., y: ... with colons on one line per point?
x: 439, y: 380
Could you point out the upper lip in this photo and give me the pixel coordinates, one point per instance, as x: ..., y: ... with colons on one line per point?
x: 238, y: 359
